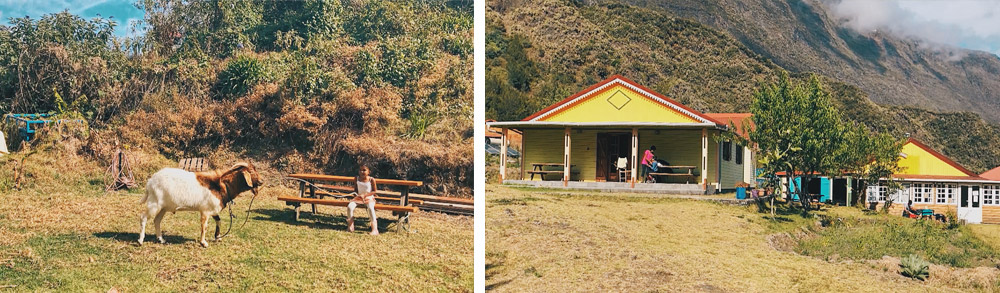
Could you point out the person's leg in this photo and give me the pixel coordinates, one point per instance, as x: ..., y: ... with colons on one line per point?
x: 350, y: 216
x: 371, y: 212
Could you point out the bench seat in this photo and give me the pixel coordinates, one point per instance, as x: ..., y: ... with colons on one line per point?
x: 686, y: 176
x: 343, y: 203
x: 383, y: 198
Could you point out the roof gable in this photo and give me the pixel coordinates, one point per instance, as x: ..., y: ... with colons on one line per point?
x: 618, y: 99
x: 919, y: 159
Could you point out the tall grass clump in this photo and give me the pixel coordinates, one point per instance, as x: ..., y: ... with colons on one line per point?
x: 872, y: 238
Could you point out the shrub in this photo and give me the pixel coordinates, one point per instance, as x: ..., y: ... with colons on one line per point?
x: 914, y: 267
x: 241, y: 75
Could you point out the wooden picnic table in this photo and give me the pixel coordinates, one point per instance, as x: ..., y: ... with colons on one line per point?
x: 538, y: 168
x: 402, y: 212
x: 689, y: 176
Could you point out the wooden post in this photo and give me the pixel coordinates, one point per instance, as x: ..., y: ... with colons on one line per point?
x: 566, y: 164
x: 312, y: 194
x: 521, y: 158
x: 635, y: 153
x: 503, y: 155
x: 704, y: 157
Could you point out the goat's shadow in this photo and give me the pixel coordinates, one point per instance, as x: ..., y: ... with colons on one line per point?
x: 320, y: 220
x: 133, y: 237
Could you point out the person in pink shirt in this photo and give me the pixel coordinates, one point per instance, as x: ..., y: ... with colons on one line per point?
x: 649, y: 163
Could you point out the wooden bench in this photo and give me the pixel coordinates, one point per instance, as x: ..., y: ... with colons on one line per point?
x: 401, y: 211
x: 688, y: 177
x: 343, y: 203
x: 542, y: 173
x: 323, y: 194
x: 194, y: 164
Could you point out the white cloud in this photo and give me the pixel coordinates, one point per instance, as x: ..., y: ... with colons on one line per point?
x: 960, y: 23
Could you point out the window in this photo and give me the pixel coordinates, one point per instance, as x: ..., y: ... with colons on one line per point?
x: 727, y: 151
x: 876, y: 193
x: 945, y: 193
x: 991, y: 194
x: 922, y: 192
x: 739, y: 154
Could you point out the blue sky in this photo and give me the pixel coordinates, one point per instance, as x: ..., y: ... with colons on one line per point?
x: 122, y: 11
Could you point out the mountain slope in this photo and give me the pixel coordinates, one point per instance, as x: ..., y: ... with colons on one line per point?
x: 541, y: 51
x: 801, y: 35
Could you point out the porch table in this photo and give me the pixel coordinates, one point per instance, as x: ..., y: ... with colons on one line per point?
x: 538, y: 168
x: 689, y: 176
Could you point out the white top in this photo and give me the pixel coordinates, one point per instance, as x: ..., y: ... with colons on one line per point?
x: 3, y: 144
x: 364, y: 187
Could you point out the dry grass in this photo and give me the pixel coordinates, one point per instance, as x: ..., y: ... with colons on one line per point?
x: 74, y: 238
x: 552, y: 241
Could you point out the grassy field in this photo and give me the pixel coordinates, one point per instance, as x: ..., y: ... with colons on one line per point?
x: 79, y: 239
x: 544, y: 240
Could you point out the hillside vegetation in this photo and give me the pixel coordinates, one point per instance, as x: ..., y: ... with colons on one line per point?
x: 295, y: 86
x: 539, y: 52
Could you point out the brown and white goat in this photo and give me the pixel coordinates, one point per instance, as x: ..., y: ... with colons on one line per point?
x: 172, y: 190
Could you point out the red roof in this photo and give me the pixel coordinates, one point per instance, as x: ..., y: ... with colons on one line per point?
x: 991, y: 174
x: 741, y: 120
x: 611, y: 79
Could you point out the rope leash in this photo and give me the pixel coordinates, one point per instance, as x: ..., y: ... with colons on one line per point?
x: 232, y: 216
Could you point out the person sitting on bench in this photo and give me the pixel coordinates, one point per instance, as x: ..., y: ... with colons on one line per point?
x: 649, y: 164
x: 365, y: 194
x: 911, y: 213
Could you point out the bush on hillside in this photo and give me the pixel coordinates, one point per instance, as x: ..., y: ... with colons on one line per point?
x: 241, y: 75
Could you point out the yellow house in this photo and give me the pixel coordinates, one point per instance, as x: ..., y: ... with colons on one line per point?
x: 596, y: 138
x: 933, y: 181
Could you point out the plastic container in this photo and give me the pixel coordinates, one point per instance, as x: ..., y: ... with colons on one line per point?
x: 741, y: 193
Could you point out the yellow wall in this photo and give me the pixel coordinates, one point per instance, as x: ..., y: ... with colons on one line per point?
x: 639, y: 109
x: 542, y: 146
x: 920, y: 162
x: 678, y: 147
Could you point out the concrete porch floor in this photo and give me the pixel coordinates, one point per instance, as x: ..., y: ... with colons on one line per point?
x: 665, y: 188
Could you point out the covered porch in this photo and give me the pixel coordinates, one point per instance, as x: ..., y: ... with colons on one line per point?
x: 588, y: 156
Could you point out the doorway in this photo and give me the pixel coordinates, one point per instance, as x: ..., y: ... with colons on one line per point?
x: 840, y: 191
x: 969, y: 208
x: 610, y: 147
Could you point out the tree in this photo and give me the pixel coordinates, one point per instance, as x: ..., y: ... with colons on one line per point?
x: 797, y: 130
x: 871, y: 157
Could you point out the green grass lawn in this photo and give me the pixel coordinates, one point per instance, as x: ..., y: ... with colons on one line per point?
x: 83, y: 240
x: 542, y: 240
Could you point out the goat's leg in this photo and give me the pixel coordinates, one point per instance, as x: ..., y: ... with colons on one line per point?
x: 204, y: 226
x: 143, y: 218
x: 217, y: 220
x: 156, y: 223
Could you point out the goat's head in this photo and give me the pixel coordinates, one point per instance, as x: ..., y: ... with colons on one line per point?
x: 246, y: 176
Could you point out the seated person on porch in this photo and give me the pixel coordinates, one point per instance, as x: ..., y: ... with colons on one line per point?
x: 649, y: 164
x: 908, y: 210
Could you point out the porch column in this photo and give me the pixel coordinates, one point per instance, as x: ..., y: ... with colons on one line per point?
x: 503, y: 155
x: 635, y: 153
x: 566, y: 164
x: 704, y: 157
